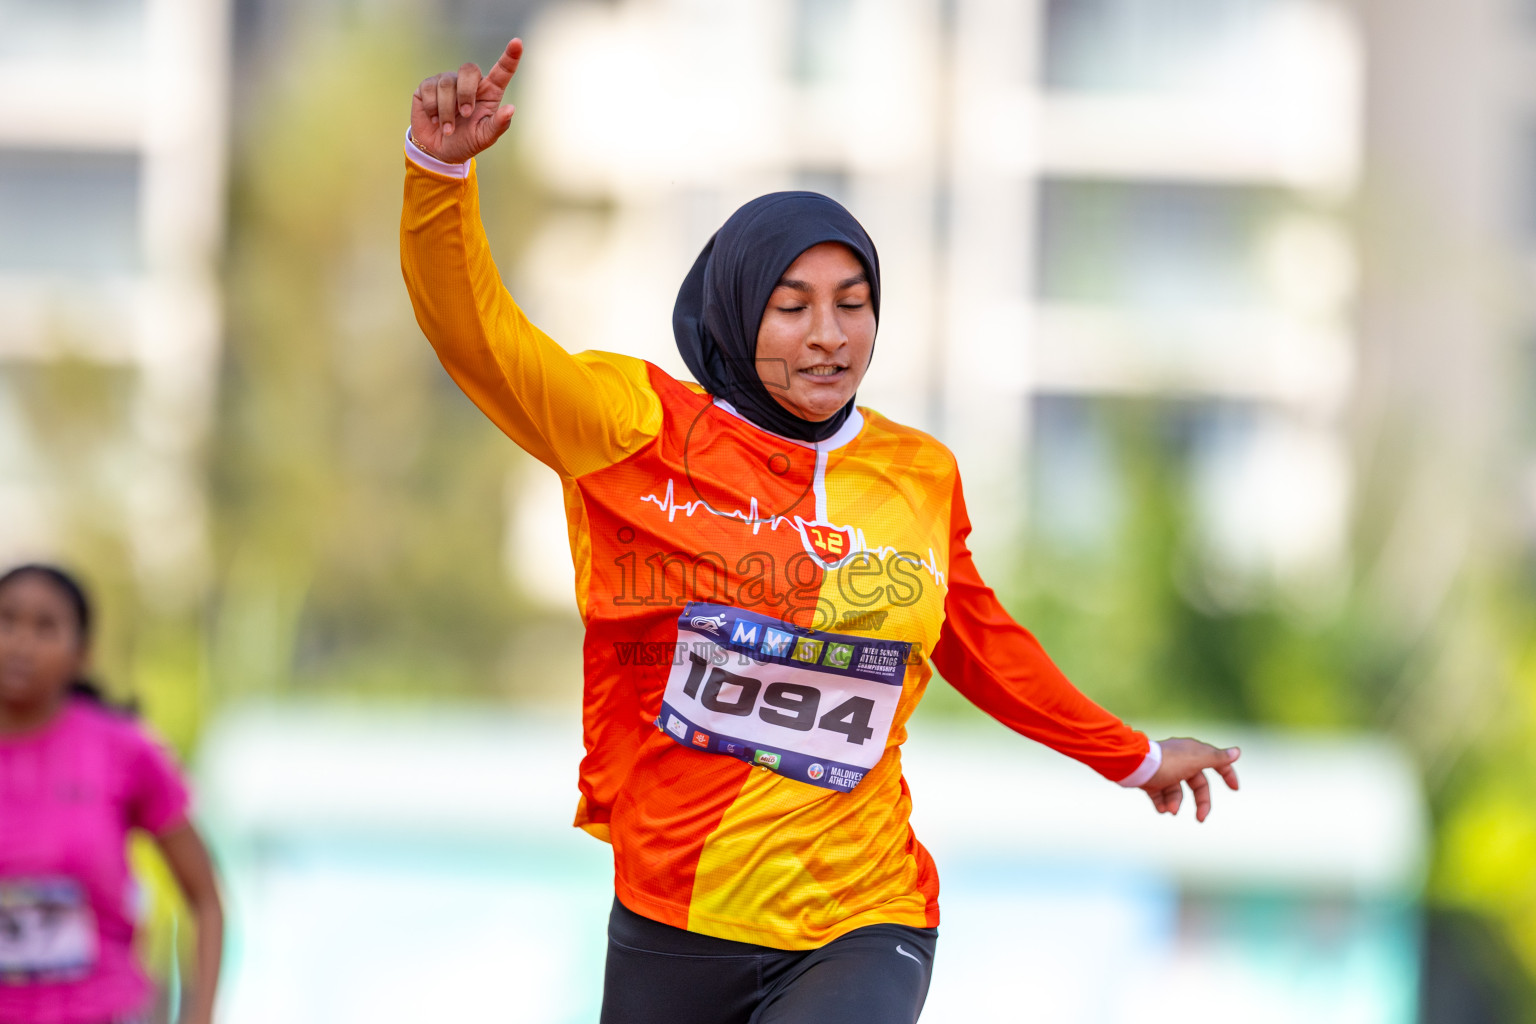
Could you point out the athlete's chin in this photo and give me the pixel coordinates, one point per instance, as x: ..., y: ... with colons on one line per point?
x: 819, y: 415
x: 819, y: 407
x: 17, y: 686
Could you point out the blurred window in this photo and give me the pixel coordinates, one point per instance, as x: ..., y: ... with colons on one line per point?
x: 821, y: 39
x: 1075, y: 489
x: 1150, y: 45
x: 71, y: 28
x: 1088, y: 451
x: 67, y: 212
x: 1153, y: 245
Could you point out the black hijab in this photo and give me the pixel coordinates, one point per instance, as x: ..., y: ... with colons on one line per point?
x: 722, y: 300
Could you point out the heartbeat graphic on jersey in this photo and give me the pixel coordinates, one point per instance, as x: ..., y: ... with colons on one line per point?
x: 830, y: 545
x: 670, y: 506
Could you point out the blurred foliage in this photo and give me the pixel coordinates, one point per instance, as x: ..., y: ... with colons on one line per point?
x: 1485, y: 856
x: 1152, y: 621
x: 360, y: 500
x: 1164, y: 627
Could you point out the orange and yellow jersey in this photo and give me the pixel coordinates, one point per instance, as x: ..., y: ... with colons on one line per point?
x: 762, y: 616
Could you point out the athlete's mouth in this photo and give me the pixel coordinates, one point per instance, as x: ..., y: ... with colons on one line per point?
x: 15, y: 672
x: 824, y: 370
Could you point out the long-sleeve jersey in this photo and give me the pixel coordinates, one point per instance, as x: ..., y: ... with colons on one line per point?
x: 762, y: 617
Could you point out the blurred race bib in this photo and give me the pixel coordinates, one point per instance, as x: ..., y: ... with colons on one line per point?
x: 47, y: 930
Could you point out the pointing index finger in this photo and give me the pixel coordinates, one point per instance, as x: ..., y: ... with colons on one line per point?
x: 506, y: 65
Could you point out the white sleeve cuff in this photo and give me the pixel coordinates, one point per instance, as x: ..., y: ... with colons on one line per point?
x: 421, y: 158
x: 1149, y: 766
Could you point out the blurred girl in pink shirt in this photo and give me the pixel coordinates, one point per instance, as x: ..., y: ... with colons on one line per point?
x: 75, y: 776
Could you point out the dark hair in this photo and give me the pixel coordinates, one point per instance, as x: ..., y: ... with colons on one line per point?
x: 74, y: 593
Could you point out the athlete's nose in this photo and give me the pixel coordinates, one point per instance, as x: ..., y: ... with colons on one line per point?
x: 826, y: 333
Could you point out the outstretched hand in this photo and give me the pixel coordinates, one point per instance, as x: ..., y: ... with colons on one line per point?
x: 458, y: 114
x: 1184, y: 762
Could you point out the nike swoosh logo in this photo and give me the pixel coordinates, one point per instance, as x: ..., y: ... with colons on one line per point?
x: 909, y: 956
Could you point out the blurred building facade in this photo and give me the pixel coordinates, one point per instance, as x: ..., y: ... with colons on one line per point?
x: 111, y: 213
x: 1443, y: 417
x: 1080, y: 204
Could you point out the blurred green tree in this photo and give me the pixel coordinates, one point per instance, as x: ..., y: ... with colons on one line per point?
x: 360, y: 498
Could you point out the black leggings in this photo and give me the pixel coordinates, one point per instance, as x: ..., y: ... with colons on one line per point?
x: 658, y: 974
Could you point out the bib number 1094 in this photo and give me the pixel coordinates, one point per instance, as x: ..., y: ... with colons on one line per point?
x: 795, y: 706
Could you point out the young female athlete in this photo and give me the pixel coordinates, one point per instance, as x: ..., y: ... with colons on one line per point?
x: 768, y: 575
x: 75, y: 776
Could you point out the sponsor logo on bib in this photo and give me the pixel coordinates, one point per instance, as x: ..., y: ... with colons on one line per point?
x: 808, y: 650
x: 776, y: 643
x: 838, y: 655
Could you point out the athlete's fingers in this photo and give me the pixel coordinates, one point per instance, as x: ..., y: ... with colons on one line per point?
x: 1173, y: 797
x: 468, y: 85
x: 447, y: 94
x: 1228, y: 772
x: 426, y: 95
x: 501, y: 121
x: 1201, y: 788
x: 505, y: 67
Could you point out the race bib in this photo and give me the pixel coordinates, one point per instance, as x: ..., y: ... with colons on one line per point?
x: 47, y: 930
x: 812, y: 706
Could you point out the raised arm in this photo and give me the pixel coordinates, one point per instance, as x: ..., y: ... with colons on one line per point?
x: 575, y: 413
x: 1000, y: 667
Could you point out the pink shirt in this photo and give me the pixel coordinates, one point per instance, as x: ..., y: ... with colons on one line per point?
x: 68, y: 796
